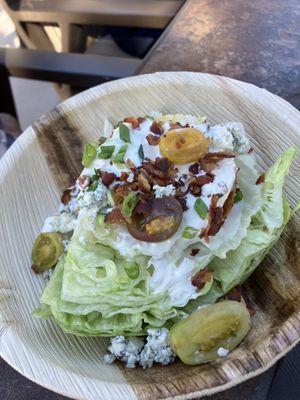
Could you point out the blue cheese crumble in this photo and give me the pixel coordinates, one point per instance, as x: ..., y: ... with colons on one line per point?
x: 241, y: 143
x: 62, y: 223
x: 161, y: 191
x: 157, y: 349
x: 221, y: 137
x: 222, y: 352
x: 89, y: 199
x: 135, y: 351
x: 125, y: 350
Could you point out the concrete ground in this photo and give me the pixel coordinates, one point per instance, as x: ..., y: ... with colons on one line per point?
x: 32, y: 98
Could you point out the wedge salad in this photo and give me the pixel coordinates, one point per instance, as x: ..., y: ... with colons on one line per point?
x: 169, y: 215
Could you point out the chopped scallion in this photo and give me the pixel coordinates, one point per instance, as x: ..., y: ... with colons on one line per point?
x: 89, y: 155
x: 128, y: 204
x: 201, y: 208
x: 124, y: 133
x: 190, y: 232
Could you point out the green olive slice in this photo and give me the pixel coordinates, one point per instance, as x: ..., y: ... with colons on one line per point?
x: 197, y: 338
x: 46, y: 250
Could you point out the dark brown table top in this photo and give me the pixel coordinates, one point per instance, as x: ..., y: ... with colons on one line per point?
x: 256, y: 41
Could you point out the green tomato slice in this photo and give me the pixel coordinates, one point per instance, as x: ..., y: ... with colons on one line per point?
x: 197, y: 338
x: 46, y: 251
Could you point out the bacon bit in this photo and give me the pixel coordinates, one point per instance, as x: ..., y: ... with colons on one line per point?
x: 177, y: 125
x: 156, y: 128
x: 159, y: 172
x: 201, y: 277
x: 261, y: 179
x: 179, y: 193
x: 152, y: 139
x: 207, y: 166
x: 114, y: 217
x: 122, y: 191
x: 135, y: 122
x: 238, y: 294
x: 161, y: 168
x: 194, y: 252
x: 215, y: 219
x: 163, y: 164
x: 107, y: 178
x: 250, y: 150
x: 203, y: 234
x: 198, y: 181
x: 140, y: 119
x: 130, y: 165
x: 219, y: 155
x: 210, y: 160
x: 204, y: 179
x: 195, y: 189
x: 84, y: 181
x: 194, y: 168
x: 227, y: 206
x: 66, y: 196
x: 144, y: 184
x: 124, y: 176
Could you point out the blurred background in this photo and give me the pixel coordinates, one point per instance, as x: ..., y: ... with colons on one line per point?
x: 76, y: 43
x: 50, y: 50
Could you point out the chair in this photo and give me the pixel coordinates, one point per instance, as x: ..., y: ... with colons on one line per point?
x: 77, y: 19
x: 120, y: 32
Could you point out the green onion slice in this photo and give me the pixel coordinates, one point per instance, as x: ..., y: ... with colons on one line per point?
x: 89, y: 155
x: 119, y: 157
x: 190, y: 232
x: 201, y: 208
x: 128, y: 204
x: 124, y: 133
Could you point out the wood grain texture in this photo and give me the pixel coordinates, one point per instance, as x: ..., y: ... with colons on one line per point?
x: 47, y: 157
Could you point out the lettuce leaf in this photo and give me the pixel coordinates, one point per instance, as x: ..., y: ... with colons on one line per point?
x: 263, y: 232
x: 91, y: 294
x: 235, y: 227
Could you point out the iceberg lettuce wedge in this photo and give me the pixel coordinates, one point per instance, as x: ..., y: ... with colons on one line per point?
x: 96, y: 291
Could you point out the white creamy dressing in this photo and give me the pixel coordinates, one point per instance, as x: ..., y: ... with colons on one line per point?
x: 137, y: 138
x: 173, y: 278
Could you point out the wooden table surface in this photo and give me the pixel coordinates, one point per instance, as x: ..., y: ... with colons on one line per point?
x: 257, y: 41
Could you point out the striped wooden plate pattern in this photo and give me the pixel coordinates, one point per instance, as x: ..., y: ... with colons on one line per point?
x: 46, y: 159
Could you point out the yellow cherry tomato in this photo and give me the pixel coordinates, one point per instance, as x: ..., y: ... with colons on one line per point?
x: 183, y: 146
x: 197, y: 338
